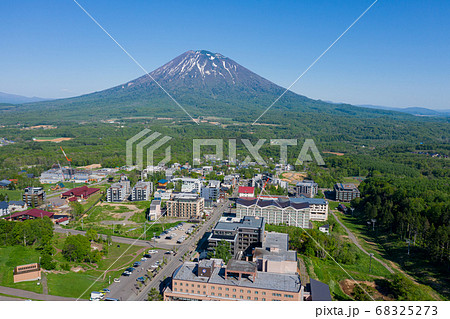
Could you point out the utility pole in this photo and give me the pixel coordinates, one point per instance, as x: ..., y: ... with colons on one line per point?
x: 408, y: 242
x: 370, y: 263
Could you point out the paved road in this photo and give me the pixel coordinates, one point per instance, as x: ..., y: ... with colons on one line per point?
x: 176, y: 261
x: 355, y: 241
x: 32, y: 295
x: 117, y: 239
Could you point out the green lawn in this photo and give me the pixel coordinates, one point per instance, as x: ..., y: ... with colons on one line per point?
x: 12, y: 194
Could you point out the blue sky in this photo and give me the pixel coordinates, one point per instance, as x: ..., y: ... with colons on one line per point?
x: 396, y: 55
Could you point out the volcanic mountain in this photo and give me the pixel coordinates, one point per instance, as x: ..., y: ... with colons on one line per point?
x: 204, y: 83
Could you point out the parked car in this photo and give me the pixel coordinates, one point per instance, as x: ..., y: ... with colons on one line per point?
x: 152, y: 251
x: 137, y: 264
x: 116, y: 279
x: 141, y: 279
x: 148, y: 256
x: 105, y: 290
x: 129, y: 269
x: 144, y: 258
x: 111, y: 299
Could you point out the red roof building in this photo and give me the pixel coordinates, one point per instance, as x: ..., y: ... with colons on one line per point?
x: 30, y: 214
x: 246, y: 191
x: 80, y: 192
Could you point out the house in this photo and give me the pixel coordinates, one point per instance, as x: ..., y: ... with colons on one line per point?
x: 17, y: 205
x: 30, y: 214
x: 4, y: 183
x: 62, y: 221
x: 325, y: 229
x: 4, y: 208
x: 246, y: 191
x: 155, y: 210
x: 162, y: 183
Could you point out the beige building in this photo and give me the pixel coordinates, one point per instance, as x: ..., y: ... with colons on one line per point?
x: 274, y: 256
x: 185, y: 205
x: 239, y: 280
x: 27, y: 272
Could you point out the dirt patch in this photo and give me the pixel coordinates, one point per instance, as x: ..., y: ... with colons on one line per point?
x: 335, y: 153
x: 371, y: 287
x: 77, y: 269
x: 293, y: 177
x: 55, y: 140
x: 96, y: 246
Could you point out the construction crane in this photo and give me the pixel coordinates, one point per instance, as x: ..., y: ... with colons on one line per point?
x: 62, y: 173
x: 68, y: 160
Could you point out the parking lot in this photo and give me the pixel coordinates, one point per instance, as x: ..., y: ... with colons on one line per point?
x: 176, y: 235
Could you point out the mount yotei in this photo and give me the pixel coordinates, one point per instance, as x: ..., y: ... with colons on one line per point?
x: 204, y: 83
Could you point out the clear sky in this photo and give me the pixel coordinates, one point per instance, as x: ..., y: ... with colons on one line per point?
x: 396, y: 55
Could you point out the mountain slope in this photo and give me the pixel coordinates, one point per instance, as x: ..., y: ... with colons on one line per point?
x: 18, y: 99
x: 205, y: 83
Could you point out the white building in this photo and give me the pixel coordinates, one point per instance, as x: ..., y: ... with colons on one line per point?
x: 275, y: 212
x: 142, y: 191
x: 212, y: 191
x: 155, y: 210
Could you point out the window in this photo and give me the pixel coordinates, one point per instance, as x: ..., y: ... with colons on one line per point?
x: 181, y: 284
x: 256, y: 292
x: 264, y: 293
x: 234, y: 296
x: 213, y: 287
x: 213, y: 294
x: 289, y: 296
x: 220, y: 288
x: 204, y: 286
x: 175, y: 283
x: 198, y: 286
x: 174, y: 289
x: 264, y: 299
x: 256, y: 298
x: 234, y: 290
x: 249, y: 291
x: 241, y: 290
x: 192, y: 291
x: 249, y: 298
x: 276, y: 295
x: 241, y: 297
x: 220, y: 295
x: 198, y: 292
x: 226, y: 295
x: 181, y: 289
x: 227, y: 289
x: 192, y: 285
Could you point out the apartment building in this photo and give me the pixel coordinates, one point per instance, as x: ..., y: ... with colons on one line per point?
x: 275, y: 211
x: 346, y: 192
x: 318, y: 207
x: 185, y: 205
x: 307, y: 188
x: 142, y: 191
x: 34, y: 196
x: 239, y: 280
x: 118, y: 192
x: 212, y: 191
x: 242, y: 234
x: 246, y: 191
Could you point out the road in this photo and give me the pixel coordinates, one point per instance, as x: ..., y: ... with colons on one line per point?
x: 117, y: 239
x: 30, y: 295
x: 176, y: 261
x: 356, y: 242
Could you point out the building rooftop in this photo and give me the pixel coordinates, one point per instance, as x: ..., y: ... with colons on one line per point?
x: 263, y: 280
x: 246, y: 189
x: 319, y: 291
x: 307, y: 183
x: 233, y: 223
x: 313, y: 201
x: 234, y: 265
x: 279, y: 240
x: 266, y: 203
x: 345, y: 187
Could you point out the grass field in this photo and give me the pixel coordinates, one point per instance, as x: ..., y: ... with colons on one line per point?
x: 12, y: 194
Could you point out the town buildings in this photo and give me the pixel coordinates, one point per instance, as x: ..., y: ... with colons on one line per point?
x: 346, y: 192
x: 30, y: 214
x: 34, y: 196
x: 142, y: 191
x: 242, y: 234
x: 185, y: 205
x: 318, y: 207
x: 82, y: 192
x: 4, y: 208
